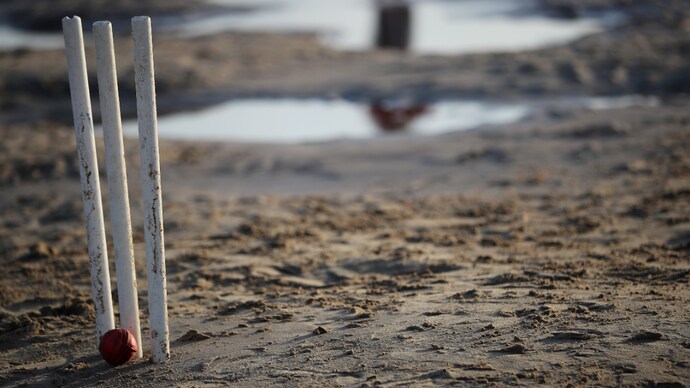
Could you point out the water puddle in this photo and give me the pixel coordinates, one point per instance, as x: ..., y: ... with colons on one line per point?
x: 315, y: 120
x: 426, y: 26
x: 13, y: 39
x: 433, y: 26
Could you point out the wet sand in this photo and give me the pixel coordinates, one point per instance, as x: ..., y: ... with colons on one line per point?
x: 551, y: 252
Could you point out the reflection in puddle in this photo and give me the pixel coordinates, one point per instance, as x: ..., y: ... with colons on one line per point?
x: 294, y: 121
x: 394, y: 116
x: 422, y: 26
x: 435, y: 26
x: 393, y: 25
x: 314, y: 120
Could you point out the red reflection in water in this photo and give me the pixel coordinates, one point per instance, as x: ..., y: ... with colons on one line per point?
x: 395, y: 118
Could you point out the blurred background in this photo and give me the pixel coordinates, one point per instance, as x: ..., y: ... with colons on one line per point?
x: 309, y: 70
x: 301, y: 71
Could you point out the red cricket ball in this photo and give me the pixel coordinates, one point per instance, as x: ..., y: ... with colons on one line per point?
x: 118, y: 346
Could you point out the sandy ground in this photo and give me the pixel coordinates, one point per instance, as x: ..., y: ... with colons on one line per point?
x: 551, y: 252
x: 537, y: 254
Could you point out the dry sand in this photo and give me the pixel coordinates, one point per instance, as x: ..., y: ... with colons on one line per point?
x: 551, y: 252
x: 536, y: 254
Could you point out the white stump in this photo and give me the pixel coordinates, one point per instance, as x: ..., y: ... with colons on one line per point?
x: 151, y: 187
x: 88, y: 170
x: 117, y: 180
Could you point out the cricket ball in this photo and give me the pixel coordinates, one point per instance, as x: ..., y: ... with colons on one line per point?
x: 118, y: 346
